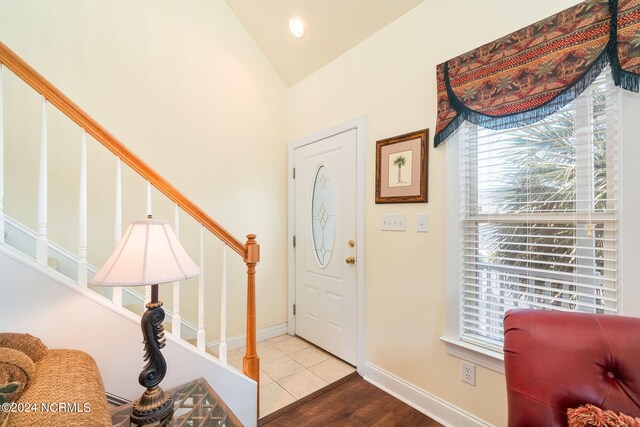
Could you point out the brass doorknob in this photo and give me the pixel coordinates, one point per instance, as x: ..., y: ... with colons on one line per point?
x: 351, y: 243
x: 350, y: 260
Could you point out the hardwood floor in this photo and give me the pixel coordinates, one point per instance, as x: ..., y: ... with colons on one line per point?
x: 354, y: 403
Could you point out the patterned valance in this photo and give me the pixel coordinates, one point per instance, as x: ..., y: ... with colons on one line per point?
x: 531, y: 73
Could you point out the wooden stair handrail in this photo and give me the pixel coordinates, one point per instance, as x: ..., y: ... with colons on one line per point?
x: 70, y: 109
x: 250, y: 252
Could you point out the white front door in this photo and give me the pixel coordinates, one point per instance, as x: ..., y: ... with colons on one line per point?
x: 325, y: 230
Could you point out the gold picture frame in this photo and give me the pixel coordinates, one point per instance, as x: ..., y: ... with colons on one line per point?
x: 402, y: 168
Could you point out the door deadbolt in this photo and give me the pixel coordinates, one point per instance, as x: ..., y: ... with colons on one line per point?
x: 351, y: 243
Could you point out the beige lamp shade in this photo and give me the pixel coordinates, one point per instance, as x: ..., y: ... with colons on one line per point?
x: 149, y: 253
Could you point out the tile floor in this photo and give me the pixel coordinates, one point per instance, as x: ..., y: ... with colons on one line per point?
x: 290, y: 368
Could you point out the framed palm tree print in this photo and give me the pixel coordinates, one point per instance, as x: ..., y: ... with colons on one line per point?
x: 401, y: 168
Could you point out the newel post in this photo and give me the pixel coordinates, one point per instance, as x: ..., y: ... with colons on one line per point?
x: 251, y: 361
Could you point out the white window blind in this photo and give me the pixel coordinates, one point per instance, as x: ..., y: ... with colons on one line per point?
x: 540, y: 215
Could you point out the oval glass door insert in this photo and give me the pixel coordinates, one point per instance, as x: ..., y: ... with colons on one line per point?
x: 323, y: 221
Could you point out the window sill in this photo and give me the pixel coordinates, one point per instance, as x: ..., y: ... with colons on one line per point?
x: 474, y: 354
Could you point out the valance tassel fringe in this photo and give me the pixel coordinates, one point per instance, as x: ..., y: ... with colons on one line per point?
x: 628, y: 81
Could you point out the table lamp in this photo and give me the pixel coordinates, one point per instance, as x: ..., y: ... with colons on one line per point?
x: 149, y: 253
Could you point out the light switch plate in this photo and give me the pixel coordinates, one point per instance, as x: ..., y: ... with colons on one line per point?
x: 396, y: 222
x: 422, y: 223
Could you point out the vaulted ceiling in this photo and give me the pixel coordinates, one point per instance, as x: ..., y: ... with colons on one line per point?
x: 332, y: 27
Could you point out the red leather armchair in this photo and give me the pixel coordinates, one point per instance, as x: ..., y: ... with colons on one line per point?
x: 555, y: 361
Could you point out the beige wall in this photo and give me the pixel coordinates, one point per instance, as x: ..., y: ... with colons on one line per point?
x: 390, y: 77
x: 185, y: 87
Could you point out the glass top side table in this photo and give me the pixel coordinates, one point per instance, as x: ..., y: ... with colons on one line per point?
x: 195, y: 404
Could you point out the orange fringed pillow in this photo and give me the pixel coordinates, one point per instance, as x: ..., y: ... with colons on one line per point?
x: 592, y: 416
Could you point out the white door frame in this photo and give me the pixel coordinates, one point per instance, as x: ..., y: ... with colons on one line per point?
x: 358, y: 124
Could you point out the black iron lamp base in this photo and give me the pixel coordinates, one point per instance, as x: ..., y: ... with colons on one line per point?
x: 153, y: 406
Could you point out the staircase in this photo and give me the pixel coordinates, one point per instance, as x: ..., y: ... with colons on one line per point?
x: 48, y: 272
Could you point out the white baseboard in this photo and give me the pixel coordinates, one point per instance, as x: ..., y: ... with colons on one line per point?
x: 440, y: 410
x: 261, y: 335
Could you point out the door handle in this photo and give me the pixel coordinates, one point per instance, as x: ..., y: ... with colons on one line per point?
x: 350, y: 260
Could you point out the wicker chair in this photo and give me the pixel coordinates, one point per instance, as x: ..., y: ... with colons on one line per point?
x: 49, y: 387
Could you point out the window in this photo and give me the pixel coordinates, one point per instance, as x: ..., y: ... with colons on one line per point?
x: 537, y: 217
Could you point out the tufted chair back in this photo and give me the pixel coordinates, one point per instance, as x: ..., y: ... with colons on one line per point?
x: 555, y: 361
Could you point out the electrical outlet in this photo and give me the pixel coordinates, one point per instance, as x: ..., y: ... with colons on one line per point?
x: 468, y: 373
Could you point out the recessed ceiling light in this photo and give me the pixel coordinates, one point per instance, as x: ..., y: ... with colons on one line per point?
x: 297, y: 27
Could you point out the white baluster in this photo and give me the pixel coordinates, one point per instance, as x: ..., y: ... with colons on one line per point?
x: 201, y: 335
x: 41, y: 242
x: 117, y: 291
x: 222, y: 352
x: 82, y: 214
x: 176, y: 324
x: 1, y: 159
x: 149, y: 213
x: 147, y: 289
